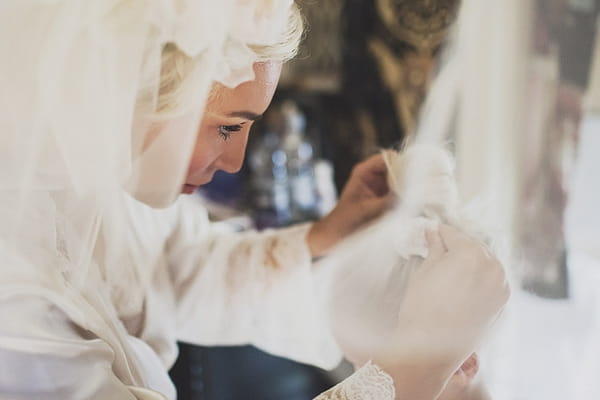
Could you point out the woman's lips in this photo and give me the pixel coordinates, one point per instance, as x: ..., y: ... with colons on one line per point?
x: 189, y: 188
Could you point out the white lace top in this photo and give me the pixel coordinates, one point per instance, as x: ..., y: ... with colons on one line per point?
x: 183, y: 282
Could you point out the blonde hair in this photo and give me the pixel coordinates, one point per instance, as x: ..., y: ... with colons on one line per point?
x: 177, y: 67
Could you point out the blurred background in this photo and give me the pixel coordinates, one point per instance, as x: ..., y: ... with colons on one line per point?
x: 356, y: 87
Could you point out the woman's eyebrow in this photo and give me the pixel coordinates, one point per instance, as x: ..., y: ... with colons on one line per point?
x: 252, y: 116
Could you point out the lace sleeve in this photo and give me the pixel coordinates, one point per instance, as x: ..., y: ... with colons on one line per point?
x: 368, y: 383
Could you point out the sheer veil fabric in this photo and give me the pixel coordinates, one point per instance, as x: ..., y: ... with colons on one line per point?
x: 80, y: 124
x: 79, y: 127
x: 476, y: 103
x: 372, y: 270
x: 81, y: 132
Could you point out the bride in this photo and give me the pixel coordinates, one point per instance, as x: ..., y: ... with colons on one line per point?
x: 112, y: 109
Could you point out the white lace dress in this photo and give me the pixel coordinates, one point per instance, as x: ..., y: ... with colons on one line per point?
x: 117, y: 339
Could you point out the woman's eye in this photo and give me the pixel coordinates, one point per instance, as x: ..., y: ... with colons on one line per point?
x: 226, y: 130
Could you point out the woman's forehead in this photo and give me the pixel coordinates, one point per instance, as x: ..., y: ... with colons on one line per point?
x: 254, y: 95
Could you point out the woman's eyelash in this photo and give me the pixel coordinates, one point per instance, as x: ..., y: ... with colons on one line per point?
x: 226, y: 130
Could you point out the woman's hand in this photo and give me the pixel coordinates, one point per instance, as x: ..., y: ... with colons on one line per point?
x: 451, y: 300
x: 365, y: 197
x: 455, y: 294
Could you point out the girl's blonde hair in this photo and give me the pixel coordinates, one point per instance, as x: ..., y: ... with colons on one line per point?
x: 177, y: 67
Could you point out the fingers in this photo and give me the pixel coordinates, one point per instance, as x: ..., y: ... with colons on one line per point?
x: 378, y: 205
x: 470, y: 367
x: 436, y: 246
x: 457, y: 240
x: 454, y: 239
x: 372, y: 174
x: 373, y: 165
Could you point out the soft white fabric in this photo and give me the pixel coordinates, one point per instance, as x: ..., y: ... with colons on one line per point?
x: 80, y: 118
x: 45, y: 355
x: 117, y: 339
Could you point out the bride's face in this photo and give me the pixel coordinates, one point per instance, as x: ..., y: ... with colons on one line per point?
x: 223, y: 132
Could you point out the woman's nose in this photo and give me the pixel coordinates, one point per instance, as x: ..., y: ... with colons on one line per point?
x: 232, y: 158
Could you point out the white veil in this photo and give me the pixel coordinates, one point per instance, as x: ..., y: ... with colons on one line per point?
x: 474, y: 96
x: 492, y: 98
x: 83, y: 121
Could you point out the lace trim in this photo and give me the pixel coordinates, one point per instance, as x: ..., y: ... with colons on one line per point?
x: 368, y: 383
